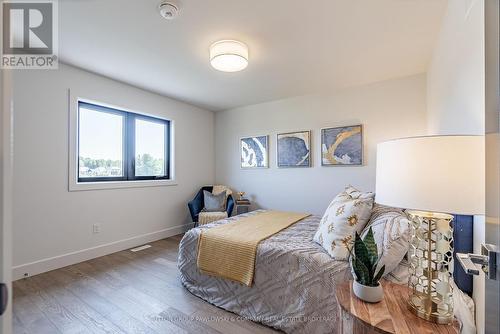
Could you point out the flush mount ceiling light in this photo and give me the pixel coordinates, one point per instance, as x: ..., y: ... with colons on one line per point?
x: 229, y: 56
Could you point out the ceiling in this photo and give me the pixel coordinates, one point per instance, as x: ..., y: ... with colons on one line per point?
x: 296, y: 47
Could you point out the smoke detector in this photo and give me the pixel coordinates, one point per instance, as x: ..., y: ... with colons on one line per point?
x: 168, y: 9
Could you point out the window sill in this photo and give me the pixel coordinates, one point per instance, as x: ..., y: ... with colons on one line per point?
x: 82, y: 186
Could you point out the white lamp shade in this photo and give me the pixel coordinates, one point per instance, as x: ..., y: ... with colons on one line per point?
x: 229, y: 56
x: 434, y: 173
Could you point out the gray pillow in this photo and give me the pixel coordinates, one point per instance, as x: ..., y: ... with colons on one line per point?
x: 391, y: 230
x: 214, y: 203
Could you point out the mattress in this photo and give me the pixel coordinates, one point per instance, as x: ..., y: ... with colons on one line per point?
x: 294, y: 282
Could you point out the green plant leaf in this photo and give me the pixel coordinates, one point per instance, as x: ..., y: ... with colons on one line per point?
x: 364, y: 255
x: 371, y: 247
x: 378, y: 275
x: 361, y: 252
x: 357, y: 271
x: 361, y: 271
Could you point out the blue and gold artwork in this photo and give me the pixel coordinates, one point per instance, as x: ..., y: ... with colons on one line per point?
x: 254, y: 152
x: 342, y: 146
x: 294, y: 149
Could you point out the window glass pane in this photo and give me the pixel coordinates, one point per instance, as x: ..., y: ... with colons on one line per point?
x: 100, y: 143
x: 149, y: 148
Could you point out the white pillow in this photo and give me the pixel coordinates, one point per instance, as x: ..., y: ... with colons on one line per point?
x: 348, y: 213
x: 391, y: 231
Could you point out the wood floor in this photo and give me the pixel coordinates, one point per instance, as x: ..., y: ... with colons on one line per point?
x: 124, y: 292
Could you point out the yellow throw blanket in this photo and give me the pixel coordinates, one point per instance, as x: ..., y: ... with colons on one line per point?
x: 229, y: 250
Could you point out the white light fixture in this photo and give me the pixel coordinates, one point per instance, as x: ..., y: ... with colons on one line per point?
x: 229, y: 56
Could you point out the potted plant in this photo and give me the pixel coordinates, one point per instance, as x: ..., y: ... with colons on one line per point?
x: 364, y: 262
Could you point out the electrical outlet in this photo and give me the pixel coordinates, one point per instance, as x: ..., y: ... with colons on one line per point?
x: 96, y: 228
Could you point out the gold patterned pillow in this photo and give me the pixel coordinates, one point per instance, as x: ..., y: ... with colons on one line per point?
x: 347, y: 213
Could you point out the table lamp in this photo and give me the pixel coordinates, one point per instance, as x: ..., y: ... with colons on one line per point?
x: 433, y: 177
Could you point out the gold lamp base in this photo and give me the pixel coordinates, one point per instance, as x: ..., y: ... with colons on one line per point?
x: 431, y: 255
x: 428, y: 310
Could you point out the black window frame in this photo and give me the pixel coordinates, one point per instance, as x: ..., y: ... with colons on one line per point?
x: 128, y: 142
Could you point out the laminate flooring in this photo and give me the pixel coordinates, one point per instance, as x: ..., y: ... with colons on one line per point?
x: 124, y: 292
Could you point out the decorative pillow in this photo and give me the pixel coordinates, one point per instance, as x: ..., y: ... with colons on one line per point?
x: 214, y: 203
x: 348, y: 213
x: 400, y: 274
x: 217, y: 189
x: 391, y: 231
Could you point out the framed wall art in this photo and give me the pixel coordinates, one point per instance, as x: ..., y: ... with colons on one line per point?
x: 342, y: 146
x: 294, y: 149
x: 254, y: 152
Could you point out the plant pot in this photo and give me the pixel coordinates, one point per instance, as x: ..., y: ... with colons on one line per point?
x: 370, y: 294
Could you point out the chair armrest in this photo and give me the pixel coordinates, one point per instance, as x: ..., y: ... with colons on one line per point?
x: 230, y: 205
x: 195, y: 206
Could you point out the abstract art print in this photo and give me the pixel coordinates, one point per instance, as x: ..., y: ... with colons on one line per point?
x: 294, y: 149
x: 342, y: 146
x: 254, y: 152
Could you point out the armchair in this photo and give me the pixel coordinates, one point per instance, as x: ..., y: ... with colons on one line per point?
x: 196, y: 205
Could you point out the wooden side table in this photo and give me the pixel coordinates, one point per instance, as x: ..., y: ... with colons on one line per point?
x: 391, y: 315
x: 242, y: 208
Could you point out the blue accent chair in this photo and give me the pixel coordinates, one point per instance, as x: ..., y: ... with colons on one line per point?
x: 197, y: 204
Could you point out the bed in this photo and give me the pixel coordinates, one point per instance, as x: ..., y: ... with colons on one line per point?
x: 294, y: 282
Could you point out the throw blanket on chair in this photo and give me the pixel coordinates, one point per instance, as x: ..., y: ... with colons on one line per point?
x: 220, y: 188
x: 210, y: 217
x: 229, y: 250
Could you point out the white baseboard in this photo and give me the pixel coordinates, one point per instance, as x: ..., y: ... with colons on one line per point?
x: 44, y: 265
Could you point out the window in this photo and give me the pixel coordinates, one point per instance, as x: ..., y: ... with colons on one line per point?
x: 115, y: 145
x: 149, y: 148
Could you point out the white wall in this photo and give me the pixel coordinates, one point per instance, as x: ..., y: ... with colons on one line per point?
x: 387, y: 110
x: 50, y: 221
x: 455, y: 79
x: 456, y: 93
x: 6, y: 165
